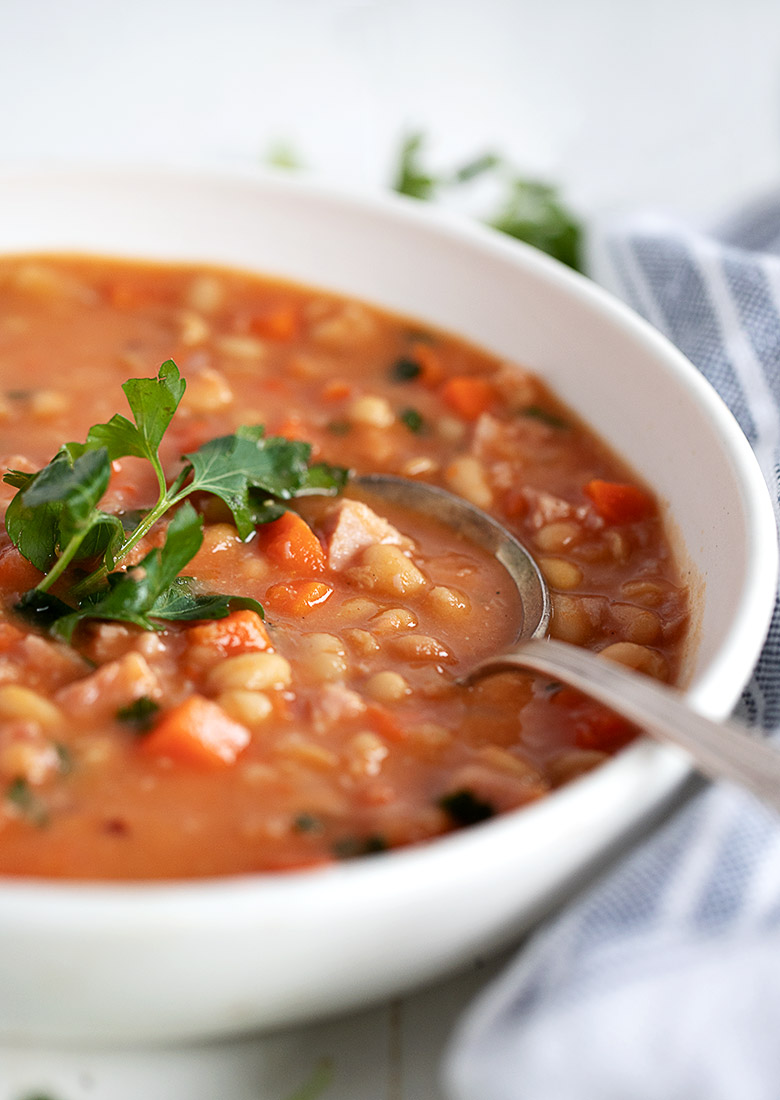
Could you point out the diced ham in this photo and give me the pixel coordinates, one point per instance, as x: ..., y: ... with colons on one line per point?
x: 350, y: 527
x: 545, y: 508
x: 39, y: 663
x: 334, y: 704
x: 111, y: 687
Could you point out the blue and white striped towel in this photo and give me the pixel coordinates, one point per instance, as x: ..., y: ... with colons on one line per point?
x: 663, y: 981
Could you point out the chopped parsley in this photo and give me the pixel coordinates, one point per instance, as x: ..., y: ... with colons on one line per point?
x: 307, y: 823
x: 529, y: 210
x: 405, y: 370
x: 533, y: 212
x: 140, y: 714
x: 64, y: 758
x: 26, y: 802
x: 56, y: 523
x: 350, y: 847
x: 339, y: 427
x: 465, y: 808
x: 536, y: 412
x: 413, y: 420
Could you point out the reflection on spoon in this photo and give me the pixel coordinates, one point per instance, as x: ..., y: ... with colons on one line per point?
x: 722, y: 750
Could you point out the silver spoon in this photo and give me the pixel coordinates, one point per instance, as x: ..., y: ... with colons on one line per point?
x: 720, y: 750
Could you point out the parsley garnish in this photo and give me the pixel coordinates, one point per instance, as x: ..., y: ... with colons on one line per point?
x: 465, y: 808
x: 530, y: 210
x: 56, y: 523
x: 307, y: 823
x: 26, y: 802
x: 534, y: 213
x: 405, y: 370
x: 536, y: 412
x: 339, y: 427
x: 139, y: 715
x: 413, y: 420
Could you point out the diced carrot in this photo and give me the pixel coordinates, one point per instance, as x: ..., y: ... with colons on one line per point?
x: 297, y: 597
x: 601, y: 729
x: 337, y: 390
x: 431, y: 367
x: 17, y: 574
x: 383, y: 722
x: 279, y: 322
x: 293, y: 428
x: 198, y: 732
x: 619, y: 503
x: 291, y: 543
x: 468, y: 395
x: 240, y: 632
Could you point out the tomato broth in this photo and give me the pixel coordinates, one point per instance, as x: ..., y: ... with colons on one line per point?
x: 334, y: 726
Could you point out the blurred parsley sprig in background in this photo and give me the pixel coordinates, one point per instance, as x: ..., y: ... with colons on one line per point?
x: 529, y: 210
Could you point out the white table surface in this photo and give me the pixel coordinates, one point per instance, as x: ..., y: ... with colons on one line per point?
x: 625, y: 103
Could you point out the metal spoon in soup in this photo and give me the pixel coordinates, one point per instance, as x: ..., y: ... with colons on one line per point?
x: 720, y: 750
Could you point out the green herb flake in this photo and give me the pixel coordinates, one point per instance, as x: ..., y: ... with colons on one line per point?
x: 321, y: 1078
x: 64, y: 758
x: 533, y: 213
x: 139, y: 715
x: 529, y: 210
x: 536, y: 412
x: 465, y: 808
x: 281, y: 154
x: 411, y: 178
x: 413, y: 420
x: 339, y: 427
x: 26, y: 802
x: 405, y: 370
x: 307, y: 823
x: 350, y: 847
x: 477, y: 166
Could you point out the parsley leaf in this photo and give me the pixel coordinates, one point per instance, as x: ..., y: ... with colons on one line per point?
x: 411, y: 179
x: 152, y: 401
x: 233, y: 465
x: 534, y: 213
x: 55, y: 520
x: 530, y: 210
x: 54, y: 515
x: 153, y: 589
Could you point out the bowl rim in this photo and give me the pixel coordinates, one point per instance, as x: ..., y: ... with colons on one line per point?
x: 713, y: 691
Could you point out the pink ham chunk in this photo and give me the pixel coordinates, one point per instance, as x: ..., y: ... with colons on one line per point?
x: 115, y: 685
x: 350, y: 527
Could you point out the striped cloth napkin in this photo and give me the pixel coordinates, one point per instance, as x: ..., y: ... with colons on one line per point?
x: 662, y: 982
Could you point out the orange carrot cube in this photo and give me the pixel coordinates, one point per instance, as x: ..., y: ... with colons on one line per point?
x: 197, y: 732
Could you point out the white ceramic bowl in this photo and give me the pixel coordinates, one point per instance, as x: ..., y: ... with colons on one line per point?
x: 164, y: 961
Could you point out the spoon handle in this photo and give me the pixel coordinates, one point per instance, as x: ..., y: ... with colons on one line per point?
x: 721, y: 750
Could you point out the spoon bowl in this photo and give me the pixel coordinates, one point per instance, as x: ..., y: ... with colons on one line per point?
x: 719, y: 750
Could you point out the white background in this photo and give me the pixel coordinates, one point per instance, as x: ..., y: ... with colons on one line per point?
x: 673, y: 104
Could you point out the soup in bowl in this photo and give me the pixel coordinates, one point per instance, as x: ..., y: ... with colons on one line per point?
x: 232, y: 711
